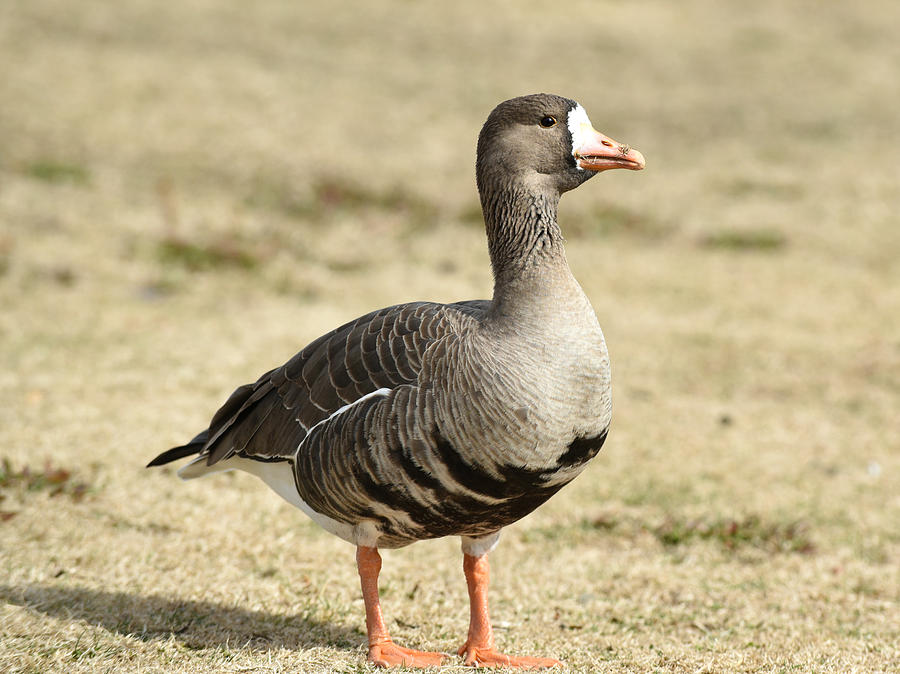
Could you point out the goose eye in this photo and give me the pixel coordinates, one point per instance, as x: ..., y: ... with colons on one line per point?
x: 548, y: 121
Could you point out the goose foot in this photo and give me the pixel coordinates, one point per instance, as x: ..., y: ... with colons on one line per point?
x: 389, y: 654
x: 478, y: 650
x: 382, y: 651
x: 488, y: 657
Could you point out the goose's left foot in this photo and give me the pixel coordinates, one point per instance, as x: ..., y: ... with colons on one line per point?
x: 488, y: 657
x: 478, y: 650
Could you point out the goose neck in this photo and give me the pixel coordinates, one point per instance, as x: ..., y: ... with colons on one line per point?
x: 522, y: 232
x: 532, y: 278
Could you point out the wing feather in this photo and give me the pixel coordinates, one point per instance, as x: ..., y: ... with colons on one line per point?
x: 268, y: 419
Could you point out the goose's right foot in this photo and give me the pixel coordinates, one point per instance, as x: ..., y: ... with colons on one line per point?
x: 389, y: 654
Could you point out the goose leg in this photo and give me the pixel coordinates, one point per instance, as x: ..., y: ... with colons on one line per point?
x: 479, y: 647
x: 382, y: 651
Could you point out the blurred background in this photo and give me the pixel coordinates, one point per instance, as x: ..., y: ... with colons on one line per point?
x: 190, y: 192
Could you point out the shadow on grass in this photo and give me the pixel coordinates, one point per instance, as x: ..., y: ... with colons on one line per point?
x: 196, y: 624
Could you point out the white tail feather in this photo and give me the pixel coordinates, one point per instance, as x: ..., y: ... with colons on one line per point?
x: 198, y: 468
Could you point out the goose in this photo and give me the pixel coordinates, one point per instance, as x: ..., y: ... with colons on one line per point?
x: 424, y: 420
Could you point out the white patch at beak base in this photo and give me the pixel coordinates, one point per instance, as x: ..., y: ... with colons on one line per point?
x: 579, y: 128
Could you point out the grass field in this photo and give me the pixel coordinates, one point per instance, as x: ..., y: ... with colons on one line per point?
x: 190, y: 192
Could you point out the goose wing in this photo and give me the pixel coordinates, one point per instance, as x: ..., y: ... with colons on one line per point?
x: 268, y: 419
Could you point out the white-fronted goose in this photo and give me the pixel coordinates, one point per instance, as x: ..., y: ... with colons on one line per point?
x: 425, y: 420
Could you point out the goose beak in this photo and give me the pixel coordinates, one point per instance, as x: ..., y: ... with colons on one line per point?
x: 597, y: 152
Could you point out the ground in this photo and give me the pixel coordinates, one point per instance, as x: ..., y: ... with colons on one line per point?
x: 190, y: 192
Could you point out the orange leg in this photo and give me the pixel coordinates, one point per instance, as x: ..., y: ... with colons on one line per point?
x: 382, y: 651
x: 479, y: 647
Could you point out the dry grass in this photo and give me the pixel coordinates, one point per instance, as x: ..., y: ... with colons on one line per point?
x: 191, y: 191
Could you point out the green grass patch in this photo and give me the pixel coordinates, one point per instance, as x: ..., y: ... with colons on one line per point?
x: 206, y: 255
x: 674, y: 531
x: 763, y: 240
x: 751, y: 188
x: 53, y: 171
x: 750, y: 530
x: 471, y: 214
x: 6, y: 247
x: 55, y: 480
x: 611, y: 220
x: 327, y: 197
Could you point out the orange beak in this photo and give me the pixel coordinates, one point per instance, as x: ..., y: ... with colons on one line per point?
x: 600, y: 153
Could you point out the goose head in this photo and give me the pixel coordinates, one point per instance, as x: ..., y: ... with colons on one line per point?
x: 545, y: 143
